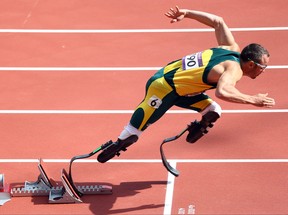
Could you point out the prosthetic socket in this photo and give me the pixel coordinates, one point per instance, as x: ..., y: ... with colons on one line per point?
x: 114, y: 148
x: 197, y: 129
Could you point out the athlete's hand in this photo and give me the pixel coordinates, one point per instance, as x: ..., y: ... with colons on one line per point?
x: 175, y: 15
x: 262, y: 100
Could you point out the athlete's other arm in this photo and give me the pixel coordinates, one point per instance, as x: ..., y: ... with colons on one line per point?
x: 224, y: 36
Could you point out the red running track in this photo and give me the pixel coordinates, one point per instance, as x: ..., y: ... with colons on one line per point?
x: 242, y: 185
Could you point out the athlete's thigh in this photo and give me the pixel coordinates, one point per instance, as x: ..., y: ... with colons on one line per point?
x: 198, y: 102
x: 158, y: 99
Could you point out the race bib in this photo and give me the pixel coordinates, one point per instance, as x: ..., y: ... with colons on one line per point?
x: 192, y: 61
x: 154, y: 102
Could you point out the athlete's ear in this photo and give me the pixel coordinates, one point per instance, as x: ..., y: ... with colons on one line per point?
x: 250, y: 64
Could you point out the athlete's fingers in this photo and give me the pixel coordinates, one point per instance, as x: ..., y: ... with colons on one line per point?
x: 175, y: 14
x: 177, y: 9
x: 271, y: 100
x: 172, y: 12
x: 268, y: 105
x: 170, y: 15
x: 268, y: 102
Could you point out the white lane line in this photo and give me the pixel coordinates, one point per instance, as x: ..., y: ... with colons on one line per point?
x: 284, y: 160
x: 280, y: 160
x: 79, y: 68
x: 131, y: 111
x: 19, y: 160
x: 169, y: 191
x: 108, y: 31
x: 278, y: 67
x: 71, y: 69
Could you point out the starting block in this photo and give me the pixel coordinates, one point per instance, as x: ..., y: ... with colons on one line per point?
x: 68, y: 193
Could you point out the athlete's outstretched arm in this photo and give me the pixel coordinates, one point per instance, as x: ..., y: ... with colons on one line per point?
x: 224, y: 36
x: 227, y: 91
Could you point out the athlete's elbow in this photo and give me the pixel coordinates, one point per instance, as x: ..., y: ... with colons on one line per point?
x: 218, y: 22
x: 220, y: 93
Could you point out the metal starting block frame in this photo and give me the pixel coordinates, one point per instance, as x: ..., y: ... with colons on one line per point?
x: 58, y: 194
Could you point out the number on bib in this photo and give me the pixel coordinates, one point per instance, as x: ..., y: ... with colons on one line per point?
x: 192, y: 61
x: 154, y: 102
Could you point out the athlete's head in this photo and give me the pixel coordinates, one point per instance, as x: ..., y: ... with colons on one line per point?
x: 254, y: 60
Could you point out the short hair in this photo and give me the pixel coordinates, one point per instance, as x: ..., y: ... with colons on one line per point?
x: 253, y: 52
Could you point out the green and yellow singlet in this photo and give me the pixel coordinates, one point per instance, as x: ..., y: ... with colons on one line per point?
x: 188, y: 75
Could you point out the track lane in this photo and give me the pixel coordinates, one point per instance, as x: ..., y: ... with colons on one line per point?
x: 64, y: 136
x: 129, y: 14
x: 122, y: 49
x: 83, y: 90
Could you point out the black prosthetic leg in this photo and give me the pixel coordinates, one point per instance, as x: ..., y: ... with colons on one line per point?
x: 198, y: 129
x: 114, y: 148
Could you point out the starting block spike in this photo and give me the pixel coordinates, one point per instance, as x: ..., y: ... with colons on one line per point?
x: 5, y: 189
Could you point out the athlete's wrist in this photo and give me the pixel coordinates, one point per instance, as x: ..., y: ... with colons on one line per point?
x: 185, y: 13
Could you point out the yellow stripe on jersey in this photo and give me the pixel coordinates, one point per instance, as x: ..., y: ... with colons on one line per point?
x: 202, y: 104
x: 190, y: 81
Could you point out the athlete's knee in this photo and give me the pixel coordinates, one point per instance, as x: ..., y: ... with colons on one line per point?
x: 197, y: 129
x: 128, y: 136
x: 128, y: 131
x: 213, y: 107
x: 210, y: 115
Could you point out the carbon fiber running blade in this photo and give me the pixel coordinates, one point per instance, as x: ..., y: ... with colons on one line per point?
x: 166, y: 164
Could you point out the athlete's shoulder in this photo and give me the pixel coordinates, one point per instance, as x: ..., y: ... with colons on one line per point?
x: 234, y: 47
x: 226, y: 53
